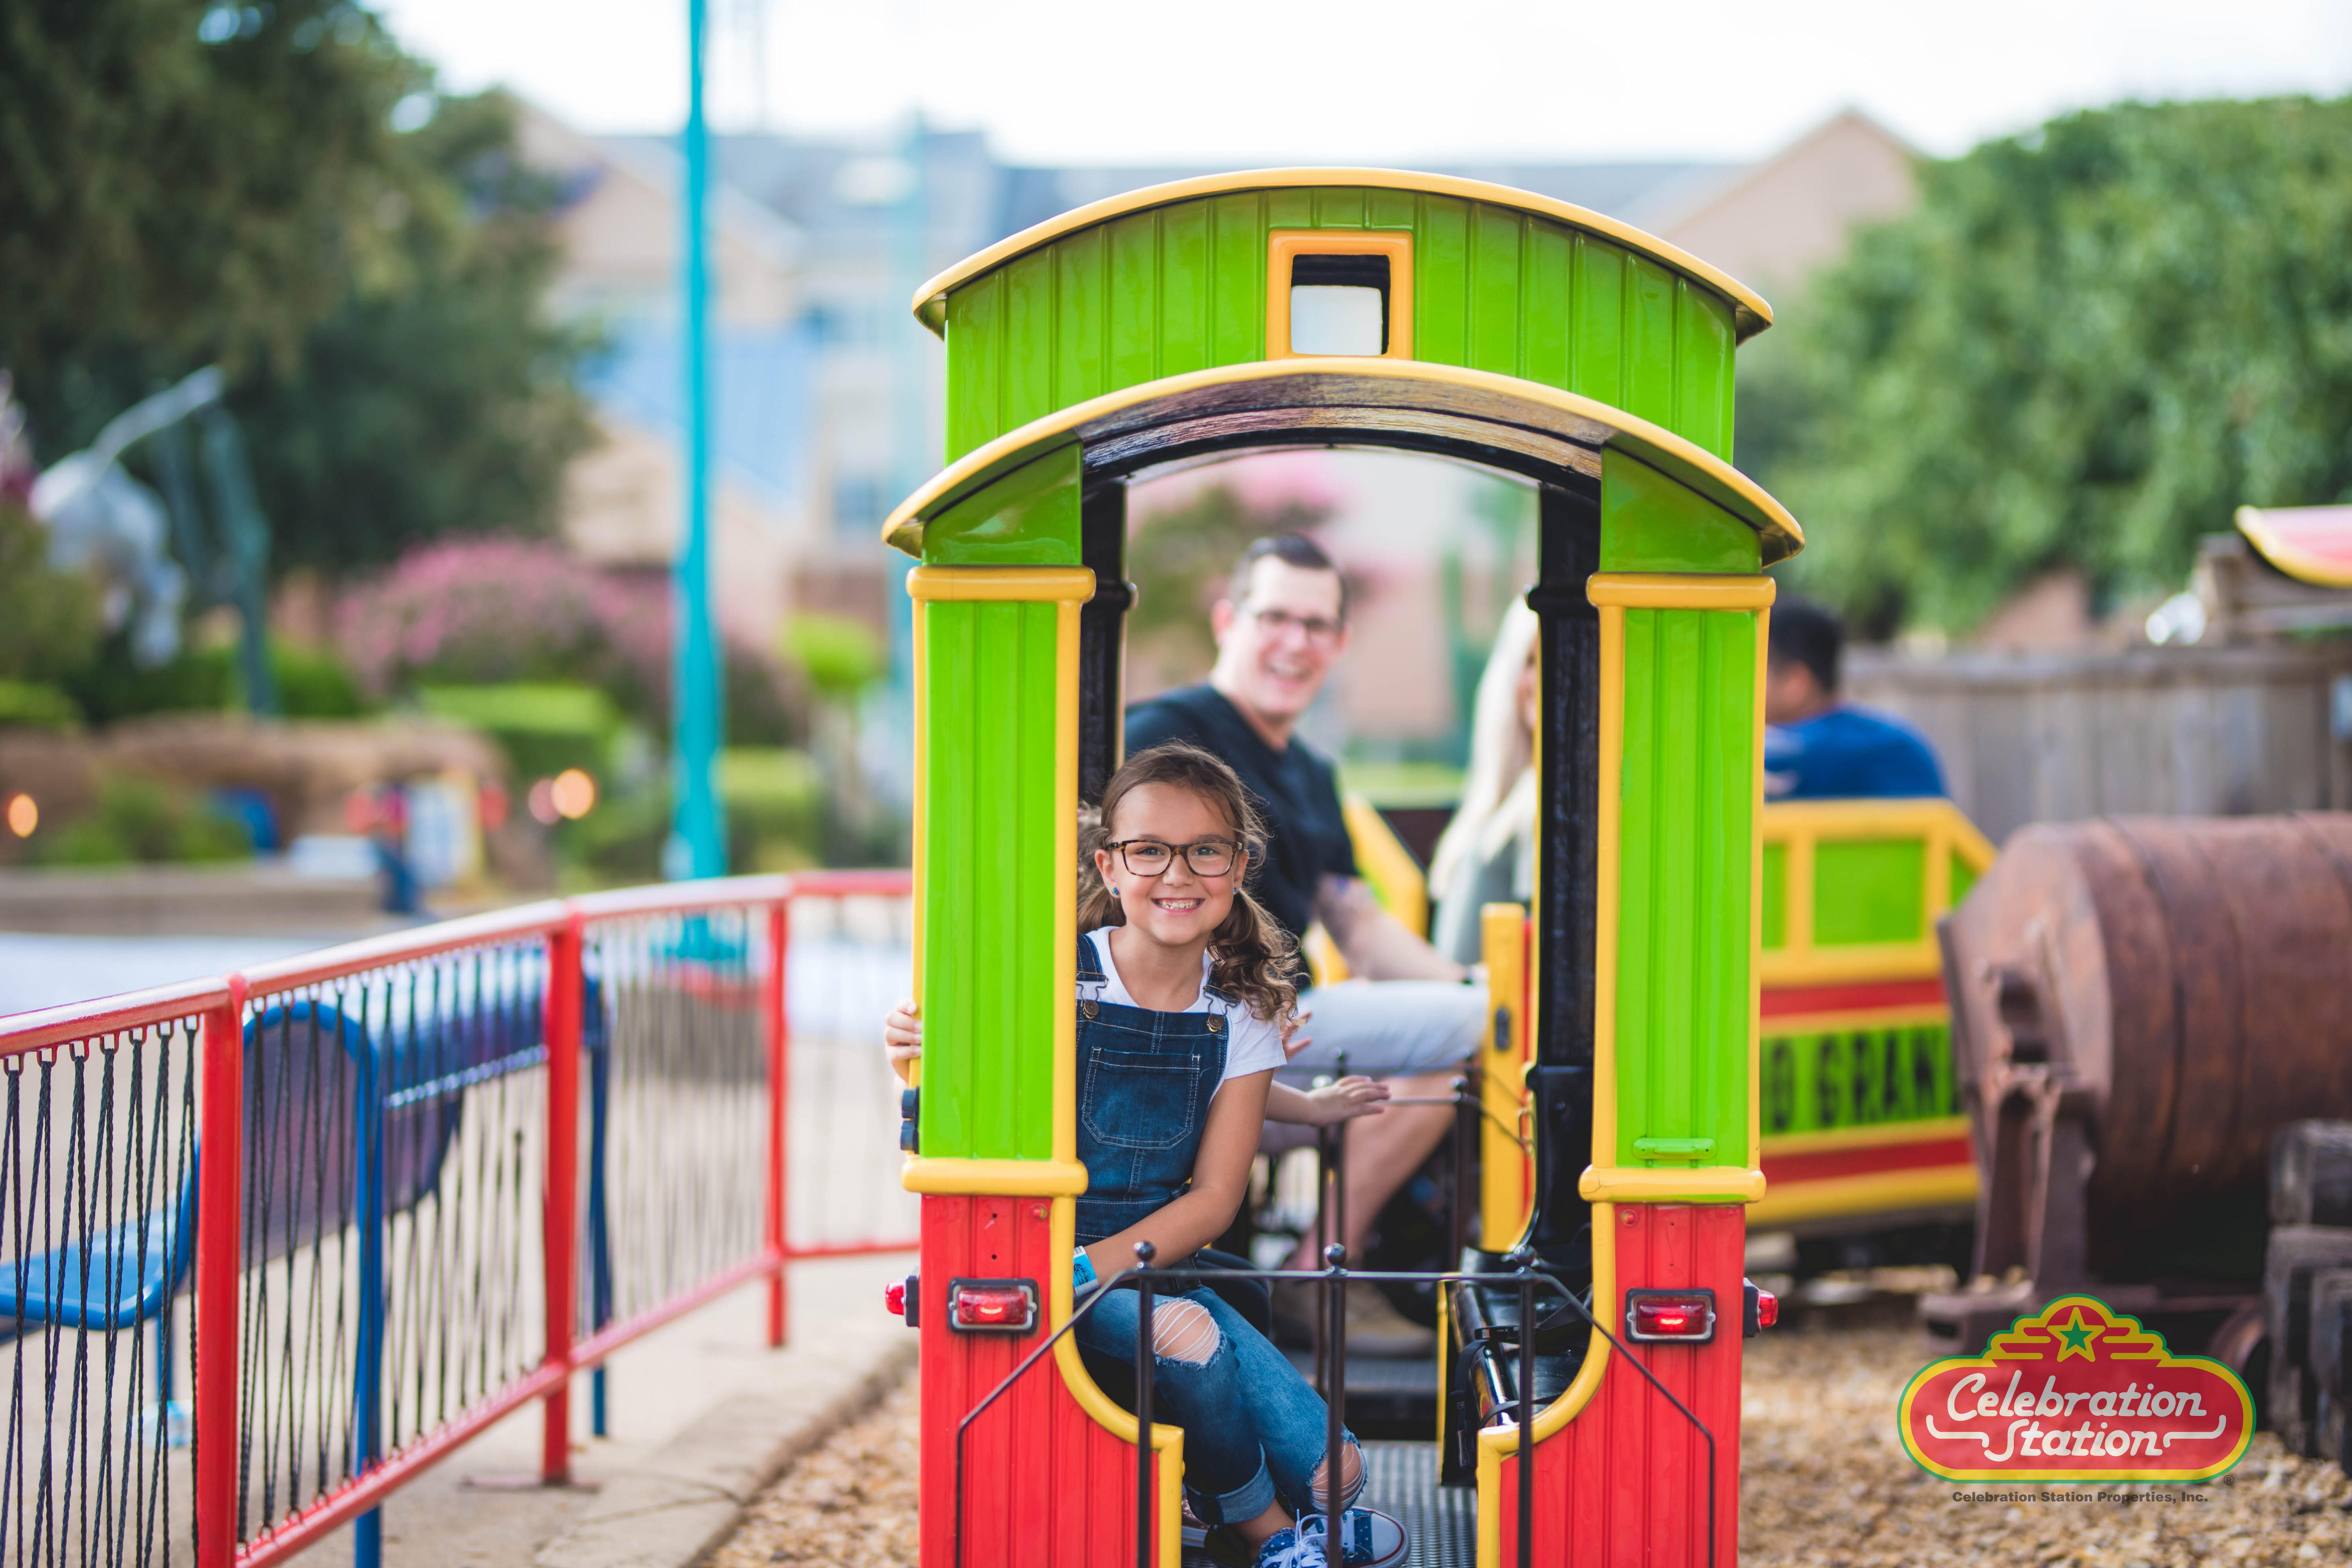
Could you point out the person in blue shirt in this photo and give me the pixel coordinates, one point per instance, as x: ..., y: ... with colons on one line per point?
x: 1819, y: 747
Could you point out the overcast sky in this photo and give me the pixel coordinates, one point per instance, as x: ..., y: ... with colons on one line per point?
x: 1375, y: 81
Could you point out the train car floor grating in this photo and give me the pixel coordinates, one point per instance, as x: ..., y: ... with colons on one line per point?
x: 1440, y: 1521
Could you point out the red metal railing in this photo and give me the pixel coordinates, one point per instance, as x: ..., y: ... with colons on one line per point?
x: 363, y: 1127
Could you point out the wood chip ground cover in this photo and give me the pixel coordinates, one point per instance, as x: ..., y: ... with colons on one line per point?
x: 1824, y: 1481
x: 847, y: 1503
x: 1824, y: 1484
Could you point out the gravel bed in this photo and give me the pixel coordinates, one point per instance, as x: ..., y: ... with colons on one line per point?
x: 1824, y: 1480
x: 1824, y: 1484
x: 847, y: 1503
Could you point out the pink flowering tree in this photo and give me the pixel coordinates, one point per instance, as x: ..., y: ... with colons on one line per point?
x: 481, y: 610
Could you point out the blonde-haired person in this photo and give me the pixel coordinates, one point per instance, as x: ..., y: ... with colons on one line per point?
x: 1487, y: 855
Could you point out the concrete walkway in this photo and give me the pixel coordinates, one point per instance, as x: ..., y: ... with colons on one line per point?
x: 702, y: 1416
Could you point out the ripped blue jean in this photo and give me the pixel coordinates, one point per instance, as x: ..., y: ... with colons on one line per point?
x: 1254, y: 1430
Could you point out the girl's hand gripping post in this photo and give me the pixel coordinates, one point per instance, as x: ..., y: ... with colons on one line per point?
x: 902, y: 1037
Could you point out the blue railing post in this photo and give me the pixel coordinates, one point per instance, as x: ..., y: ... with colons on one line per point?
x: 367, y: 1386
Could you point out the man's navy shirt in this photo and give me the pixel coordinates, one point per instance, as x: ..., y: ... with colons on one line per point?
x: 1297, y: 791
x: 1848, y: 753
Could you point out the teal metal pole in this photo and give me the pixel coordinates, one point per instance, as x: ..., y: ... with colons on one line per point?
x: 698, y: 842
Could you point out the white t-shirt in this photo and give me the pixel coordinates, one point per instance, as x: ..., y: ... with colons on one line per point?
x: 1252, y: 1045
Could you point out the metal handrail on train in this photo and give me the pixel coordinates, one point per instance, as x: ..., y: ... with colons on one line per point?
x: 1527, y: 1271
x: 1334, y: 1277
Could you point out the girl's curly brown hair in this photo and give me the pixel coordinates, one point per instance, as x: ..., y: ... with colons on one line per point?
x: 1250, y: 958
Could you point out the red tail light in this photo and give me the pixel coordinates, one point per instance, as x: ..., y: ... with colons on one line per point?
x: 1768, y: 1309
x: 1680, y: 1317
x: 992, y: 1306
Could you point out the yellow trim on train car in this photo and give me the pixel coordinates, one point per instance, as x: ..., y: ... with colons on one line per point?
x: 1071, y: 586
x: 1750, y: 313
x: 1168, y: 1442
x: 1859, y: 962
x: 1496, y: 1444
x: 1679, y: 591
x: 1670, y: 1184
x: 997, y: 1178
x: 1756, y: 898
x: 1613, y: 593
x: 1802, y: 826
x: 1445, y: 1333
x: 1505, y: 1132
x: 1607, y: 832
x: 1285, y: 245
x: 1067, y: 588
x: 1065, y: 873
x: 1889, y: 1192
x: 1476, y: 407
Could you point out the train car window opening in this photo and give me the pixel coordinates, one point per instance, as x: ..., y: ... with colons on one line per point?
x: 1339, y: 305
x: 1338, y: 292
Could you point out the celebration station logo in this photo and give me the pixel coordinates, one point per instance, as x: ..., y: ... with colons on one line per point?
x: 2075, y: 1392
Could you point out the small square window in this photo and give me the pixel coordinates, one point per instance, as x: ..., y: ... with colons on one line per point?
x: 1339, y: 305
x: 1339, y: 293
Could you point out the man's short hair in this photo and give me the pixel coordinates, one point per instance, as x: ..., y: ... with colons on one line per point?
x: 1808, y: 633
x: 1291, y: 549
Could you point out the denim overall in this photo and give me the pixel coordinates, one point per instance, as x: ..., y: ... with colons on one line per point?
x: 1145, y: 1080
x: 1254, y: 1428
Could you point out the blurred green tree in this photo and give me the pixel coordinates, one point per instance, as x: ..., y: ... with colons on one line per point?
x: 49, y: 620
x: 443, y: 401
x: 275, y: 187
x: 2085, y: 347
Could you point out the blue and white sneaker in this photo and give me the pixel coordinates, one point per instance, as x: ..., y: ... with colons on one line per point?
x: 1368, y: 1538
x: 1288, y: 1549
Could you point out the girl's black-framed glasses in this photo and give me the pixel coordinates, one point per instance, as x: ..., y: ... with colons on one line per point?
x: 1149, y: 857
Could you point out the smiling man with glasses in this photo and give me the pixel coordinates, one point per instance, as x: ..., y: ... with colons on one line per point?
x: 1407, y: 1016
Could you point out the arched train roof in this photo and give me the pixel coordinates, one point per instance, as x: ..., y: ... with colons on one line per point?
x: 1750, y: 313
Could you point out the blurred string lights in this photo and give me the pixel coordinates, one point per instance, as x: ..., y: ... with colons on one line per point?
x: 567, y: 797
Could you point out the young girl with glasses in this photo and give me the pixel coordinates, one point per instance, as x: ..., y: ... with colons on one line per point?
x: 1184, y: 1002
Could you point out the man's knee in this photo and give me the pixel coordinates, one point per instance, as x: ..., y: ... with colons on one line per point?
x: 1183, y: 1330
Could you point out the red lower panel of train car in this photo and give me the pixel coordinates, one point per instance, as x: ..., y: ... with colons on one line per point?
x: 1625, y: 1480
x: 1045, y: 1484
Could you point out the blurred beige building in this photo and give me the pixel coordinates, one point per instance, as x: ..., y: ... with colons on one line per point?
x: 1773, y: 224
x: 827, y: 392
x: 624, y: 501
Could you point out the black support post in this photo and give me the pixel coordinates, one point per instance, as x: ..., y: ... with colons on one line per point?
x: 1102, y: 636
x: 1569, y: 845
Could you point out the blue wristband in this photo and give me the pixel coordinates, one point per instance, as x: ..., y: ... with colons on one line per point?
x: 1082, y: 1272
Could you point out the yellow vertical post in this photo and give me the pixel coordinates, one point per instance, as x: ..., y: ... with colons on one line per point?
x: 1505, y: 1171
